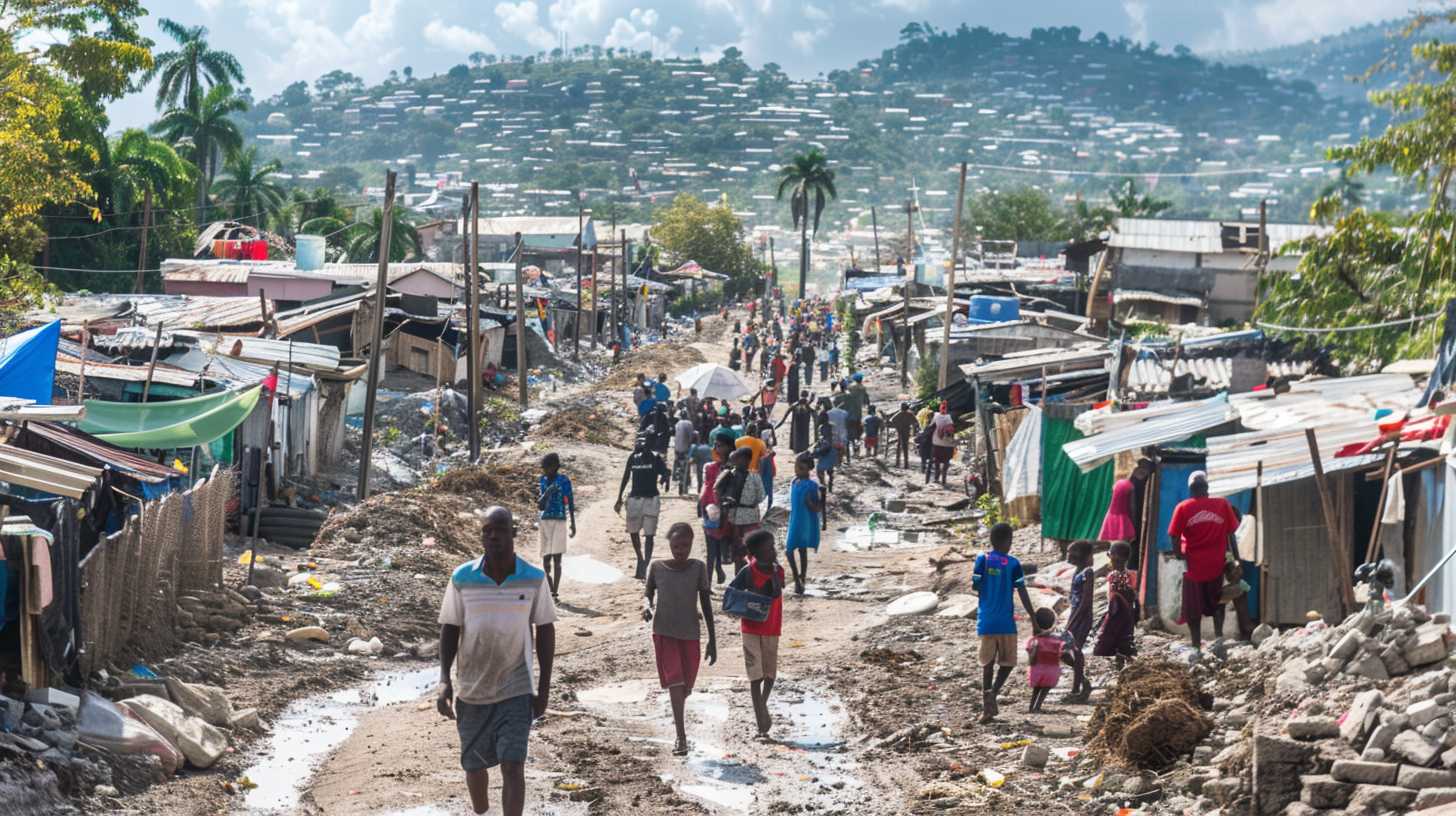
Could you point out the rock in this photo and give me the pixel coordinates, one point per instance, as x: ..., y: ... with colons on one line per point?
x: 1448, y: 759
x: 1380, y: 798
x: 1364, y: 773
x: 1221, y: 790
x: 1373, y: 755
x: 302, y: 633
x: 1325, y: 792
x: 1035, y: 755
x: 1277, y: 765
x: 1348, y: 645
x: 916, y: 603
x: 957, y: 606
x: 1394, y: 661
x: 359, y: 646
x: 1361, y: 717
x: 207, y: 702
x: 1135, y: 786
x: 1435, y: 730
x: 1428, y: 646
x: 1369, y: 666
x: 1316, y: 673
x: 1423, y: 712
x: 252, y: 593
x: 199, y: 742
x: 1292, y: 685
x: 246, y: 718
x: 1313, y: 728
x: 1435, y: 797
x: 269, y: 577
x: 1414, y: 748
x: 1260, y: 634
x: 105, y: 791
x: 1412, y: 777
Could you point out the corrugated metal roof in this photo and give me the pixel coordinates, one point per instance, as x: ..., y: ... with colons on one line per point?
x: 258, y: 349
x: 165, y: 374
x: 1054, y: 361
x: 95, y: 450
x: 234, y: 372
x: 1151, y: 375
x: 1146, y: 296
x: 1175, y: 235
x: 365, y: 274
x: 1133, y: 430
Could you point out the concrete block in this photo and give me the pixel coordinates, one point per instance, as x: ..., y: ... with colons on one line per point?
x: 1361, y: 717
x: 1423, y: 712
x: 1348, y: 645
x: 1414, y: 748
x: 1277, y: 765
x: 1428, y: 646
x: 1325, y: 792
x: 1412, y: 777
x: 1380, y: 798
x: 1382, y: 736
x: 1364, y: 773
x: 1368, y: 666
x: 1035, y: 755
x: 1313, y: 728
x: 1435, y: 797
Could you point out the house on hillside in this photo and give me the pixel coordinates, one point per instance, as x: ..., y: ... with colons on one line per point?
x: 1191, y: 271
x: 548, y: 240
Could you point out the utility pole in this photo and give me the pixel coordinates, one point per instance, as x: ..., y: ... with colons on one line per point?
x: 768, y: 280
x: 1262, y: 262
x: 376, y: 350
x: 596, y: 297
x: 626, y: 272
x: 141, y: 276
x: 875, y: 225
x: 907, y: 280
x: 152, y: 366
x: 521, y: 324
x: 472, y: 318
x: 612, y: 289
x: 580, y: 239
x: 950, y: 283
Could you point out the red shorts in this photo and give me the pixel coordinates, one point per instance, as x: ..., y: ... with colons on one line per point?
x: 677, y: 661
x: 1201, y: 598
x: 872, y: 441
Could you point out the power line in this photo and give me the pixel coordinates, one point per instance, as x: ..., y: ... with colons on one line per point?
x: 1135, y: 173
x: 1405, y: 321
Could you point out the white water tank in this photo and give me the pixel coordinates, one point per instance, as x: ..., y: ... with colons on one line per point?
x: 309, y: 256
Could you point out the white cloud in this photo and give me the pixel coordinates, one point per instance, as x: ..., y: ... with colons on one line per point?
x: 813, y: 12
x: 523, y: 20
x: 805, y: 40
x: 1255, y: 24
x: 209, y: 6
x: 577, y: 15
x: 903, y: 5
x: 303, y: 45
x: 635, y: 32
x: 456, y: 38
x: 1137, y: 18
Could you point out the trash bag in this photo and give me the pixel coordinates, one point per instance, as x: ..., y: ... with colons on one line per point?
x: 105, y: 725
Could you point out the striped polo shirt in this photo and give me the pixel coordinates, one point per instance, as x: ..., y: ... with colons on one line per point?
x: 496, y: 638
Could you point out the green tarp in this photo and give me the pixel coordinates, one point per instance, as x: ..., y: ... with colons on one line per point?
x: 176, y: 424
x: 1073, y: 503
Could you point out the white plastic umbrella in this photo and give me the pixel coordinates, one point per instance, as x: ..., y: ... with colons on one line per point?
x: 713, y: 380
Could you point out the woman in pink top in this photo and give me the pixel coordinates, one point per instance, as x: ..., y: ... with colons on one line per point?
x: 1118, y: 524
x: 714, y: 524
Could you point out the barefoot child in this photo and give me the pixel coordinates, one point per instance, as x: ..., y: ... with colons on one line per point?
x: 806, y: 502
x: 872, y: 425
x: 1046, y: 651
x: 1114, y: 639
x: 995, y: 577
x: 557, y: 503
x: 762, y: 576
x: 1079, y: 618
x: 676, y: 586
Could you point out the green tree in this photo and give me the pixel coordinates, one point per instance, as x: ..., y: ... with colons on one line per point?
x: 361, y: 239
x: 208, y: 133
x: 1129, y: 204
x: 1369, y: 269
x: 137, y: 163
x: 183, y: 72
x: 807, y: 177
x: 1020, y: 214
x: 295, y: 95
x: 247, y: 190
x: 689, y: 229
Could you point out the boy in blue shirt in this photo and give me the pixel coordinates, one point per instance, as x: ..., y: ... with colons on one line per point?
x: 698, y: 456
x: 557, y: 503
x: 994, y: 578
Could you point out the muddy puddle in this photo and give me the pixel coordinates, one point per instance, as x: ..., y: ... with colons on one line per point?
x: 309, y: 729
x: 725, y: 770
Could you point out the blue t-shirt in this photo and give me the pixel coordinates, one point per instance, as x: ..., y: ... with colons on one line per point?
x: 833, y: 354
x: 996, y: 577
x: 661, y: 391
x: 803, y: 522
x: 557, y: 502
x: 645, y: 406
x: 829, y: 323
x: 700, y: 454
x: 872, y: 425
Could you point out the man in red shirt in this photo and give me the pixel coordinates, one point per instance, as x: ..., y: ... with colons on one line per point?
x: 1200, y: 530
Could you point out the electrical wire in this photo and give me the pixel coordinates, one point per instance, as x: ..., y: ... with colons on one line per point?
x: 1405, y: 321
x: 1132, y: 173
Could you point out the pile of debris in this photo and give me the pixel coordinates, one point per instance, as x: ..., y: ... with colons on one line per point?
x: 1151, y: 718
x: 660, y: 358
x: 204, y: 617
x: 586, y: 421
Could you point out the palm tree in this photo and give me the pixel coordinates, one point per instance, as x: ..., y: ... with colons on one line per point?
x: 247, y: 189
x: 135, y: 164
x: 183, y: 71
x: 1128, y: 204
x: 208, y: 133
x: 807, y: 175
x: 361, y: 239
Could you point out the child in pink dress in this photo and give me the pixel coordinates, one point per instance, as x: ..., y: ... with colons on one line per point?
x: 1045, y: 652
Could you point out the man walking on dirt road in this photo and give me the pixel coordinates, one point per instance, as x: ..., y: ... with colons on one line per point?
x: 645, y: 470
x: 486, y: 620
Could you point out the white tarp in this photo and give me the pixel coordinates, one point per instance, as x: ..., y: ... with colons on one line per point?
x: 1022, y: 468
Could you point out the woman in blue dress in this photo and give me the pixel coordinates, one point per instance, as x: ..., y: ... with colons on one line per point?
x: 806, y: 504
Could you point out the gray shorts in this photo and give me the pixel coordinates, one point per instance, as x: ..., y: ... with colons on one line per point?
x: 493, y: 733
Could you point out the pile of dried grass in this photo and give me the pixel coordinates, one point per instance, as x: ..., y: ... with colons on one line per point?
x: 660, y: 358
x: 594, y: 427
x: 1151, y: 718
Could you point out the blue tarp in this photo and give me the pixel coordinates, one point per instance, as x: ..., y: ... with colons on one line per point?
x: 28, y: 363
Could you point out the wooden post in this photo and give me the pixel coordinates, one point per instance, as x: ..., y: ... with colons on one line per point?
x: 141, y: 275
x: 907, y: 281
x: 612, y: 288
x: 1339, y: 561
x: 576, y: 324
x: 1259, y: 540
x: 1262, y: 262
x: 376, y: 350
x: 950, y: 284
x: 472, y: 321
x: 152, y: 366
x: 768, y: 280
x: 596, y: 297
x: 524, y: 393
x: 1101, y: 270
x: 85, y: 349
x: 1372, y: 549
x: 263, y: 479
x: 875, y: 225
x: 1148, y: 534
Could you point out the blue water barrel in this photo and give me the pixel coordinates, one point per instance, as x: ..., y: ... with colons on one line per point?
x: 309, y: 256
x: 992, y: 309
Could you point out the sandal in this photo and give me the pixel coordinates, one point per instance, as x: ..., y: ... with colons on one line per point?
x: 680, y: 749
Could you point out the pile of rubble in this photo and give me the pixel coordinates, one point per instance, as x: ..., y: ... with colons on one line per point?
x: 205, y: 617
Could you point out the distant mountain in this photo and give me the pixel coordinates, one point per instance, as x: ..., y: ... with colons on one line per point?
x: 1337, y: 65
x: 1065, y: 113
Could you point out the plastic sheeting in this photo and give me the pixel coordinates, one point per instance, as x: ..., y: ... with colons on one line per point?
x: 1023, y: 458
x: 132, y: 417
x: 167, y: 428
x: 1072, y: 502
x: 28, y: 363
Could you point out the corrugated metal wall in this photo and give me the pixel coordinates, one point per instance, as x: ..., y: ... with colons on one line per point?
x: 1297, y: 549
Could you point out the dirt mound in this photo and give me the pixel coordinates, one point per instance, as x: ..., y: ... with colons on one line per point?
x: 586, y: 424
x: 661, y: 358
x: 1152, y: 717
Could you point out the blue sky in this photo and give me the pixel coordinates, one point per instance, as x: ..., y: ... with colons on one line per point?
x: 280, y: 41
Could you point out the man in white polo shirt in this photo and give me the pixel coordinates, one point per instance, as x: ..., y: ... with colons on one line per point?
x: 486, y: 620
